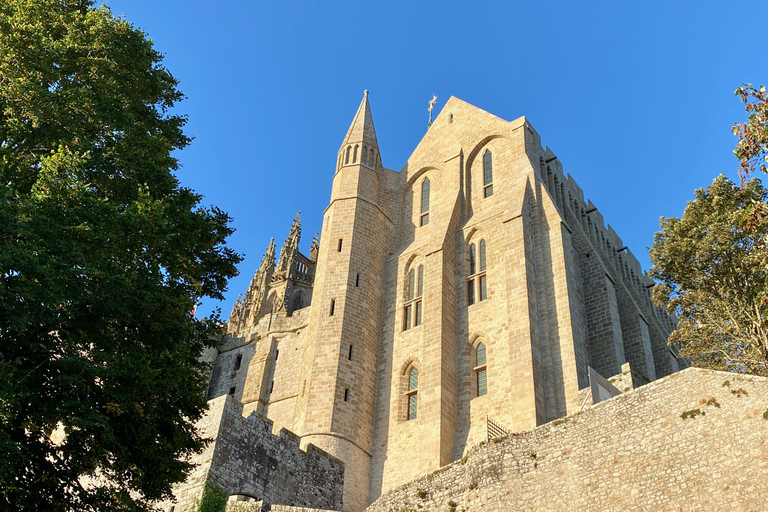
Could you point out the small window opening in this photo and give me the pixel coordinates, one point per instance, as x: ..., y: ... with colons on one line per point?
x: 349, y: 150
x: 487, y: 174
x: 477, y: 282
x: 350, y: 352
x: 333, y: 307
x: 450, y: 119
x: 238, y: 361
x: 481, y: 374
x: 232, y: 391
x: 341, y: 240
x: 412, y: 315
x: 277, y: 354
x: 357, y: 281
x: 412, y: 393
x: 424, y: 218
x: 271, y: 386
x: 346, y: 395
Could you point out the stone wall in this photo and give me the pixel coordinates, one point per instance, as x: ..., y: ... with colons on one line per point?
x: 695, y: 440
x: 245, y: 458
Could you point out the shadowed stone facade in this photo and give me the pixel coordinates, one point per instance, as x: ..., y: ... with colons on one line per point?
x: 474, y: 283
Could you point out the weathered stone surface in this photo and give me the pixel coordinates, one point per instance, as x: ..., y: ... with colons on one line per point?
x: 696, y: 440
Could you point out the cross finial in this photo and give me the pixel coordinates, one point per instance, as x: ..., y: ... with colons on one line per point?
x: 431, y: 106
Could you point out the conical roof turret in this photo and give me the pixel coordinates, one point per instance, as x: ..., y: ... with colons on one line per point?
x: 361, y: 145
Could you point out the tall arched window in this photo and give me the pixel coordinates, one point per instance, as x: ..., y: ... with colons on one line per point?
x: 412, y: 315
x: 477, y: 282
x: 424, y: 219
x: 364, y: 155
x: 481, y: 374
x: 412, y: 394
x: 346, y: 158
x: 487, y: 174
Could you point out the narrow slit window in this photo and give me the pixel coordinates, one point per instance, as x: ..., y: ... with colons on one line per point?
x: 349, y: 150
x: 238, y: 361
x: 232, y: 391
x: 277, y: 354
x: 487, y: 174
x: 412, y: 394
x: 424, y: 218
x: 481, y: 373
x: 271, y: 386
x: 341, y: 241
x: 364, y: 155
x: 357, y: 281
x: 333, y: 307
x: 346, y: 395
x: 350, y: 352
x: 354, y: 155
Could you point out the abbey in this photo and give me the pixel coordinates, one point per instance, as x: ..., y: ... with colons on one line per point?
x: 473, y: 287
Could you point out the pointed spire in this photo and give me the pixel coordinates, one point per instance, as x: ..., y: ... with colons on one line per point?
x: 315, y: 248
x: 291, y: 244
x: 362, y: 134
x: 269, y: 257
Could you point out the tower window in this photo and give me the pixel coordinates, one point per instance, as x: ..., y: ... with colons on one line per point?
x: 238, y: 361
x: 333, y: 307
x: 354, y: 155
x: 271, y: 386
x: 477, y: 282
x: 357, y: 281
x: 232, y: 391
x: 487, y: 174
x: 277, y: 354
x: 350, y: 353
x: 424, y: 218
x: 481, y: 374
x: 349, y: 150
x: 364, y: 155
x: 412, y: 394
x: 341, y: 241
x: 346, y: 395
x: 412, y: 316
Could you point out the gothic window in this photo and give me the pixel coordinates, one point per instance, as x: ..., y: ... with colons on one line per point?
x: 364, y: 155
x: 424, y: 218
x: 349, y: 150
x: 413, y: 304
x: 298, y: 303
x: 373, y: 159
x: 412, y: 394
x: 477, y: 282
x: 481, y: 375
x: 487, y: 174
x: 354, y: 155
x: 238, y: 361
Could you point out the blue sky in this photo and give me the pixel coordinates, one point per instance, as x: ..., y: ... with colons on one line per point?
x: 635, y: 98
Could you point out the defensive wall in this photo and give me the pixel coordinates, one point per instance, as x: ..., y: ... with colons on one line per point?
x: 244, y: 458
x: 695, y: 440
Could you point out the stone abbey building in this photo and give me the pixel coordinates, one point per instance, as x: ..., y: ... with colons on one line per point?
x: 475, y: 285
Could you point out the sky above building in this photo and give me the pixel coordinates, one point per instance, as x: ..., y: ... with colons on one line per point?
x: 635, y: 98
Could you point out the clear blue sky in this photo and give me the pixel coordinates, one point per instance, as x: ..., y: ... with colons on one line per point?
x: 635, y: 98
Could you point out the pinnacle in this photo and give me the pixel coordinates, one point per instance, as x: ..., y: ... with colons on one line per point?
x: 361, y: 131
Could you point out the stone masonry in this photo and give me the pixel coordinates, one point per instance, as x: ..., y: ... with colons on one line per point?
x: 476, y: 283
x: 245, y: 459
x: 695, y: 440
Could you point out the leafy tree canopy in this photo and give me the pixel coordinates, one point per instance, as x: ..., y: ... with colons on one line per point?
x: 712, y: 269
x: 713, y: 262
x: 102, y: 256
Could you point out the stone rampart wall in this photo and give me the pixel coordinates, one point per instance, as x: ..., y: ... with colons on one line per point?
x: 696, y: 440
x: 248, y: 460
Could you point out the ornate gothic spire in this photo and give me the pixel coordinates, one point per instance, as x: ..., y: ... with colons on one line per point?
x: 291, y: 244
x: 268, y: 261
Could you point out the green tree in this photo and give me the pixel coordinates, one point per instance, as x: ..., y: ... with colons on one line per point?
x: 712, y: 267
x: 102, y: 256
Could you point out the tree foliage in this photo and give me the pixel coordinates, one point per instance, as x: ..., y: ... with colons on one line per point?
x: 712, y: 269
x: 102, y: 256
x: 713, y: 262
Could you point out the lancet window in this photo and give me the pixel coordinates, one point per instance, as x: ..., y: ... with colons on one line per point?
x: 424, y: 217
x: 477, y: 282
x: 412, y: 393
x: 481, y: 373
x: 487, y: 174
x: 413, y: 309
